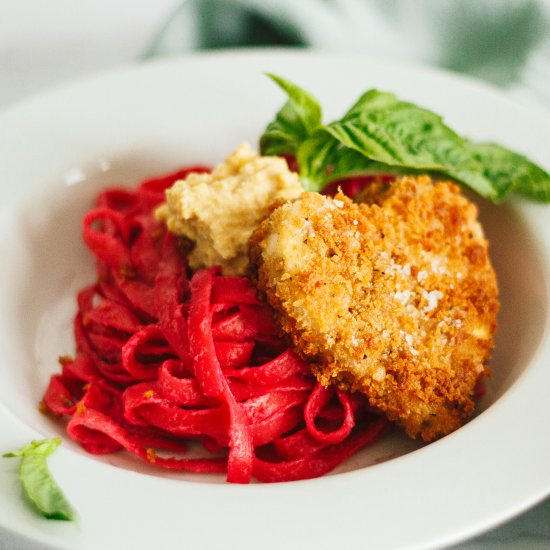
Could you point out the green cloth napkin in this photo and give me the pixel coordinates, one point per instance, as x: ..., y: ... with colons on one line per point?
x: 506, y: 42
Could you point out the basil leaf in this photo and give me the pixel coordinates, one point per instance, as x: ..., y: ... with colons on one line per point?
x: 401, y: 134
x: 38, y: 484
x: 382, y: 134
x: 398, y: 133
x: 296, y: 121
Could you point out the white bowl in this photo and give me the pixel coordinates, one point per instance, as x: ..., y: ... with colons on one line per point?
x: 58, y: 150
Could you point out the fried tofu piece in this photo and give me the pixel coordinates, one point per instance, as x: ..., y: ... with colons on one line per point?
x: 394, y: 297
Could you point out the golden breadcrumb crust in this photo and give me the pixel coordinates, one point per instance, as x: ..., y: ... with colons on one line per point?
x: 394, y: 297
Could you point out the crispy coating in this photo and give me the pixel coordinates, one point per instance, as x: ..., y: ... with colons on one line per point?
x: 394, y: 297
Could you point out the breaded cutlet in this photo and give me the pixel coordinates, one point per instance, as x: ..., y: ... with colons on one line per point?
x: 394, y: 297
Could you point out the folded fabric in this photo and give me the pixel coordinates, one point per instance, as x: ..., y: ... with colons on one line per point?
x: 505, y: 42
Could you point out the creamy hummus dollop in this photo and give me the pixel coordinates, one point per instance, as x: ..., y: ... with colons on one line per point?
x: 220, y: 210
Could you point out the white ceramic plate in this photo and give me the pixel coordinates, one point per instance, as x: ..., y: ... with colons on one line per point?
x: 57, y: 150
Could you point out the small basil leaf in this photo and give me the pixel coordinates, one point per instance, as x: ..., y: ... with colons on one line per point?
x: 38, y: 484
x: 299, y: 117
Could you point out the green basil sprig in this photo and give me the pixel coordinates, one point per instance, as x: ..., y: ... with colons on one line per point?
x: 38, y: 484
x: 382, y: 134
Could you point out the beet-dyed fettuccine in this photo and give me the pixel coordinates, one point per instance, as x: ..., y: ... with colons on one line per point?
x: 167, y: 359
